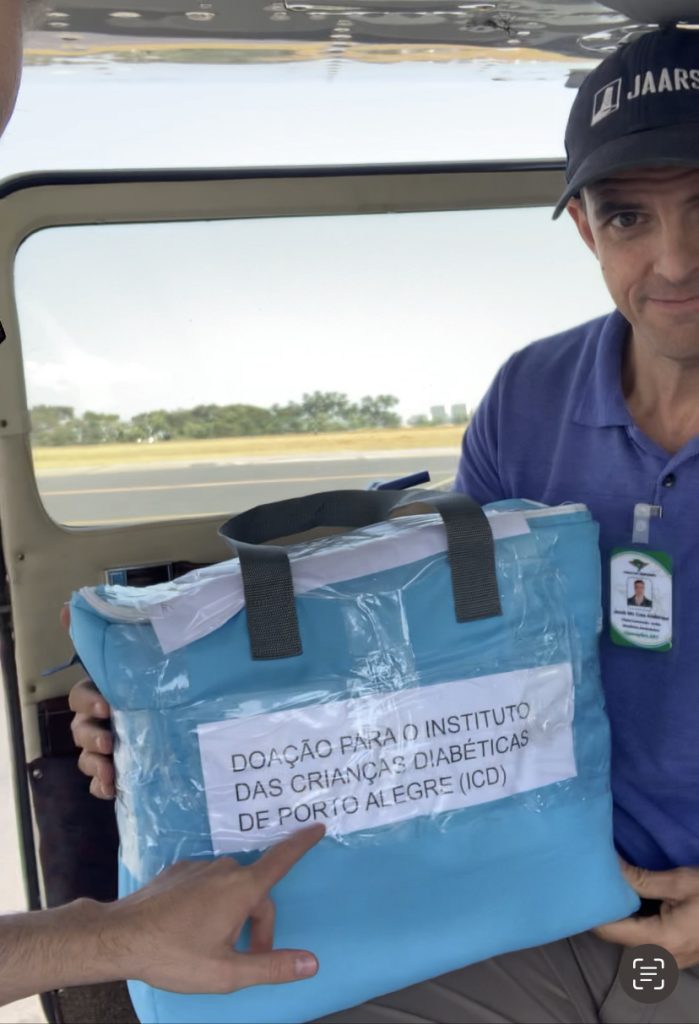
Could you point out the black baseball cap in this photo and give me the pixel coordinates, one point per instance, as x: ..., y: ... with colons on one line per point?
x: 638, y: 108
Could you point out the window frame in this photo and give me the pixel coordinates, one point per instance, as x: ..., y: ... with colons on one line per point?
x: 42, y: 559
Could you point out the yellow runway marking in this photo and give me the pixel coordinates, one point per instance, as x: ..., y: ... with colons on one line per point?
x: 164, y: 517
x: 448, y: 481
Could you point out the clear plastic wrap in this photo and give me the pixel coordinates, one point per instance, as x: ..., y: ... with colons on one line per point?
x: 395, y: 718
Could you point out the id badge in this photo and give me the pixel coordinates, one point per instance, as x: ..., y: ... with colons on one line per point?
x: 640, y: 605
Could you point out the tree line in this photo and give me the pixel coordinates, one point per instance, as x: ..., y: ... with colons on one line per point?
x: 317, y: 412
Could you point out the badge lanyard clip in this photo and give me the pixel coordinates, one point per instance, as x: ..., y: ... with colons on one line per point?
x: 642, y: 515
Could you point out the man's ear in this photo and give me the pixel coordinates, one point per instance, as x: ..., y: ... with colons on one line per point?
x: 577, y: 210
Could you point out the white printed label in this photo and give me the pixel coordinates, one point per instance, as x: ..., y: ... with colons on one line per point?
x: 366, y: 762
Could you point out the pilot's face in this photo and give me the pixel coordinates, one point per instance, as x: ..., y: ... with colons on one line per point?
x: 10, y: 57
x: 638, y: 589
x: 643, y: 226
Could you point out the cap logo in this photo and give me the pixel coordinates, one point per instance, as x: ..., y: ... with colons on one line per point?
x: 665, y: 80
x: 606, y: 101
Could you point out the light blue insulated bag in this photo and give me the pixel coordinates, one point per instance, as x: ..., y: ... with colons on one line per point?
x: 424, y: 683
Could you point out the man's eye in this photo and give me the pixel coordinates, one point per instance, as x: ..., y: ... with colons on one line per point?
x: 624, y: 220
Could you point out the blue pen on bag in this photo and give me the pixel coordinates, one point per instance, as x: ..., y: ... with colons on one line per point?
x: 402, y: 483
x: 75, y: 660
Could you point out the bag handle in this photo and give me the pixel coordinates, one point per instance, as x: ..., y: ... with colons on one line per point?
x: 266, y: 571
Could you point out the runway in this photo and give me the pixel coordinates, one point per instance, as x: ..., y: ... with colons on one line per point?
x: 161, y: 491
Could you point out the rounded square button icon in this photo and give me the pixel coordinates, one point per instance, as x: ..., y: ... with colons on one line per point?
x: 649, y: 973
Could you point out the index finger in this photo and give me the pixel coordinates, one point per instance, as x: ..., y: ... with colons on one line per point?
x: 277, y: 861
x: 633, y: 931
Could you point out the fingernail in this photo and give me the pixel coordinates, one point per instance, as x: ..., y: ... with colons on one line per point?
x: 100, y: 708
x: 306, y: 966
x: 103, y: 744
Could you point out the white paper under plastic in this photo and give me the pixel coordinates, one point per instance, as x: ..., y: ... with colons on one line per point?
x: 363, y: 763
x: 384, y: 546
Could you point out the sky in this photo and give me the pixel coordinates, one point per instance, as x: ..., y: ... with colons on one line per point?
x: 423, y: 306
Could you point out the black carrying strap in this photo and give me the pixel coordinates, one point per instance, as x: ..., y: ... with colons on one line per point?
x: 266, y: 571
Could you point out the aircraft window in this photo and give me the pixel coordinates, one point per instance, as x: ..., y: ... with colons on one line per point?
x: 188, y: 369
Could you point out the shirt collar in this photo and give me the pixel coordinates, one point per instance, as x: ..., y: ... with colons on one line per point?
x: 602, y: 402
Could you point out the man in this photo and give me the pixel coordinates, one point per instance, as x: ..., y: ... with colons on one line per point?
x: 178, y: 932
x: 606, y: 414
x: 638, y: 599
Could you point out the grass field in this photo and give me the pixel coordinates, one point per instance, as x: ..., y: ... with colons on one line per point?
x: 222, y: 448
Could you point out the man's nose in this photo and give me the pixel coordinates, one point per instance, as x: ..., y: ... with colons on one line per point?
x: 677, y: 256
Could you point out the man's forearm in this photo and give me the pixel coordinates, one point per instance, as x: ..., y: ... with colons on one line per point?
x: 47, y: 949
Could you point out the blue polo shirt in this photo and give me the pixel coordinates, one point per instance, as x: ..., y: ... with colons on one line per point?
x: 554, y: 427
